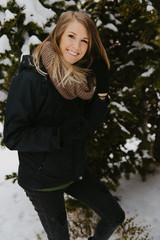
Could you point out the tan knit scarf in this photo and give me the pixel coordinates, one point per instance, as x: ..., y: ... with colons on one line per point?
x: 69, y: 91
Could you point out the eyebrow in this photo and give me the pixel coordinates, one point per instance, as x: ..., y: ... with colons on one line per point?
x: 76, y: 34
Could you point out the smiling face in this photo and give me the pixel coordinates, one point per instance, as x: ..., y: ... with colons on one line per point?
x: 74, y: 42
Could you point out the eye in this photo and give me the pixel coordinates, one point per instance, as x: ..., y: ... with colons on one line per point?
x: 71, y: 36
x: 85, y: 41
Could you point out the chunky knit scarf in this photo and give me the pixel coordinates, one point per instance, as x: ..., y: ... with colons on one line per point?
x: 83, y: 90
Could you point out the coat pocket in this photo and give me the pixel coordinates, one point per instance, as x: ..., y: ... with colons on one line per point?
x: 41, y: 157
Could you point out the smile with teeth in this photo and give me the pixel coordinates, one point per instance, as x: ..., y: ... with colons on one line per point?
x: 72, y: 53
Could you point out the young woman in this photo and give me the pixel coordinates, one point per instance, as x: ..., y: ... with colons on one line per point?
x: 57, y: 100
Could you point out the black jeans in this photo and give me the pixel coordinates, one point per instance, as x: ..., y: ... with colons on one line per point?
x: 90, y: 191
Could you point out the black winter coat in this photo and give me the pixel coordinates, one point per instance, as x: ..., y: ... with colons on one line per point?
x: 34, y: 116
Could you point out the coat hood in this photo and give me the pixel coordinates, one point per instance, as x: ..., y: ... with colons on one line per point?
x: 27, y: 64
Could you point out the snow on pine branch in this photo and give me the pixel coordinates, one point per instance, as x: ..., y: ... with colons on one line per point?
x: 33, y: 40
x: 148, y: 73
x: 132, y: 144
x: 52, y: 1
x: 112, y: 18
x: 3, y: 96
x: 121, y: 107
x: 130, y: 63
x: 6, y: 16
x: 4, y: 3
x: 6, y: 61
x: 111, y: 26
x: 139, y: 46
x: 35, y: 12
x: 149, y: 8
x: 123, y: 128
x: 4, y: 44
x: 98, y: 23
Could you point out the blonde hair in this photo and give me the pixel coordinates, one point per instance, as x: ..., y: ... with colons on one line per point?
x: 95, y: 50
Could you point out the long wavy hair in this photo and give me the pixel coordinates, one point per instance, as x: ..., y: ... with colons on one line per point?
x: 77, y: 72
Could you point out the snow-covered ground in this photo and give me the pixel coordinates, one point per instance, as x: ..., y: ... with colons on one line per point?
x: 18, y: 220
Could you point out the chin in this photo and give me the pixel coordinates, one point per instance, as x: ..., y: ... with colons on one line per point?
x: 72, y: 62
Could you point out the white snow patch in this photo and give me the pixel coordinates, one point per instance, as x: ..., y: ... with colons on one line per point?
x: 6, y: 61
x: 2, y: 80
x: 132, y: 144
x: 148, y: 73
x: 134, y: 20
x: 35, y: 12
x: 149, y: 8
x: 146, y: 154
x: 98, y: 23
x: 70, y: 3
x: 9, y: 15
x: 49, y: 29
x: 112, y: 17
x: 34, y: 40
x: 4, y: 3
x: 142, y: 199
x: 28, y: 41
x: 121, y: 107
x: 4, y: 44
x: 130, y: 63
x: 6, y: 16
x: 124, y: 89
x: 123, y: 128
x: 3, y: 96
x: 52, y: 1
x: 139, y: 46
x: 110, y: 165
x: 111, y: 155
x: 111, y: 26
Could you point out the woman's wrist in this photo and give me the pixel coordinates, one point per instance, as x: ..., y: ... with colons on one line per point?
x: 102, y: 96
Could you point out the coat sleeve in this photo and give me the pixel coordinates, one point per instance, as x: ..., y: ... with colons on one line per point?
x: 19, y: 131
x: 96, y: 111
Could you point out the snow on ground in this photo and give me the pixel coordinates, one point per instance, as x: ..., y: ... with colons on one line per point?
x: 19, y: 221
x: 142, y: 198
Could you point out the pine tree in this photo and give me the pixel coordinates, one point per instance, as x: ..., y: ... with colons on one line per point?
x: 130, y: 32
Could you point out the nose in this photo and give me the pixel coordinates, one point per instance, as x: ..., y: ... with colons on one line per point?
x: 77, y: 45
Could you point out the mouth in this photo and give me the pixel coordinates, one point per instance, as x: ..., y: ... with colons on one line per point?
x: 72, y: 53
